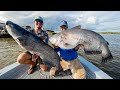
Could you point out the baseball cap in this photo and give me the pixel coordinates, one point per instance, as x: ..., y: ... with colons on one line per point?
x: 39, y: 18
x: 63, y: 23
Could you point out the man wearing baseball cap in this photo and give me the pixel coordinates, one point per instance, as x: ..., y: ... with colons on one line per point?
x: 69, y: 57
x: 31, y: 58
x: 63, y: 25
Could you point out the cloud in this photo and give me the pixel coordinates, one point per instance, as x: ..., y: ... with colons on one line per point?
x: 93, y: 20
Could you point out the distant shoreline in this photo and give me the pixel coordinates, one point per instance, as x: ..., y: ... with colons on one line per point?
x: 100, y: 33
x: 108, y: 32
x: 8, y: 36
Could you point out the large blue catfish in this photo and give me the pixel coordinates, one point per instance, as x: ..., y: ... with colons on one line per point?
x: 90, y: 41
x: 33, y: 43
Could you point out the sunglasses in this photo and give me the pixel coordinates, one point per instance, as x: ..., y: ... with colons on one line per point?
x: 63, y: 26
x: 37, y: 20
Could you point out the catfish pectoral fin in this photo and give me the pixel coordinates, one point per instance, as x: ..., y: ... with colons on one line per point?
x: 109, y: 58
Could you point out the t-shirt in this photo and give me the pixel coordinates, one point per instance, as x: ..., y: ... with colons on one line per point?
x: 43, y: 35
x: 67, y: 54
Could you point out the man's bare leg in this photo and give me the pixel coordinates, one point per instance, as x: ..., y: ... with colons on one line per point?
x: 25, y: 58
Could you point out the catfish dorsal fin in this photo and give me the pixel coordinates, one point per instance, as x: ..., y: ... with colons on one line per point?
x: 77, y: 27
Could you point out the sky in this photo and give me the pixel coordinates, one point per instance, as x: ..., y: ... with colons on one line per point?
x: 99, y: 21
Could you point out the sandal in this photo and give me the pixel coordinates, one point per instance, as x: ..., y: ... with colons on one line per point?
x: 31, y: 69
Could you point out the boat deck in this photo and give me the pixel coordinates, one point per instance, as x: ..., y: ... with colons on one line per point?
x: 19, y: 71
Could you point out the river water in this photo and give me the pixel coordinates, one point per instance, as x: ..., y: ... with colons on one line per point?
x: 9, y: 50
x: 112, y: 68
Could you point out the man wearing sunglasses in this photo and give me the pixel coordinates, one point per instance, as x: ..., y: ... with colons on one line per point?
x: 31, y: 58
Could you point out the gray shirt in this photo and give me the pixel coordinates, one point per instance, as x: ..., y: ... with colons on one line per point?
x: 43, y: 35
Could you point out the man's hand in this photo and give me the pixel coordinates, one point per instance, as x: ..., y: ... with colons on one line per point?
x: 55, y: 46
x: 43, y: 37
x: 79, y: 46
x: 34, y: 57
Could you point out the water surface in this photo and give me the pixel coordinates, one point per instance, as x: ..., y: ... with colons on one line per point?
x: 9, y: 51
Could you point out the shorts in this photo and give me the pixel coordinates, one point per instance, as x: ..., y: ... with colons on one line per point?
x: 29, y: 53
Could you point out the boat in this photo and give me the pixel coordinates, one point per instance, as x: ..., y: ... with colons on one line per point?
x: 19, y: 71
